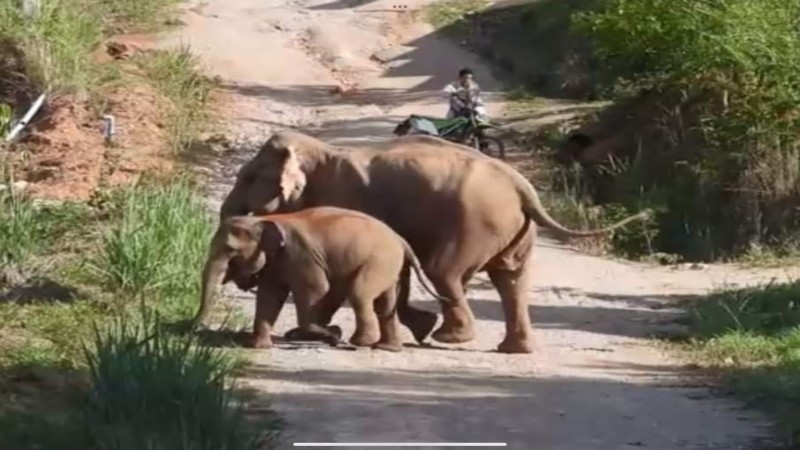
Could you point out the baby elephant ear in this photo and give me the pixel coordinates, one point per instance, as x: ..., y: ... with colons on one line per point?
x: 273, y: 237
x: 293, y: 180
x: 243, y: 231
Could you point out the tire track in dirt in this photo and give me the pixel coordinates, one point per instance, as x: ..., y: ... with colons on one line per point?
x: 595, y: 381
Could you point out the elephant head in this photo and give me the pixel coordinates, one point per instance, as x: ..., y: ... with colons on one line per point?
x: 276, y: 177
x: 240, y: 272
x: 248, y: 240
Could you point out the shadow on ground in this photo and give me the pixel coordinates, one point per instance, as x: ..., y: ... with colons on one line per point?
x: 524, y: 412
x: 39, y: 290
x: 531, y: 44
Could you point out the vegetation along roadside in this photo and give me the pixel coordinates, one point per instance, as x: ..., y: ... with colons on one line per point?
x: 693, y: 115
x: 701, y: 124
x: 100, y: 242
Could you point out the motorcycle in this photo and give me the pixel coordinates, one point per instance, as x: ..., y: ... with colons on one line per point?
x: 463, y: 129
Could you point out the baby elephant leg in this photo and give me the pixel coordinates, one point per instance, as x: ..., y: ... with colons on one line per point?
x: 322, y: 312
x: 367, y: 331
x: 386, y: 310
x: 308, y: 327
x: 367, y: 285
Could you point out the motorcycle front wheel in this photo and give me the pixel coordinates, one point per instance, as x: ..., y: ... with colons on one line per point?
x: 491, y: 146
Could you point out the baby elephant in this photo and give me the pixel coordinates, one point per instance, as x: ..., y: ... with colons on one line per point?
x: 309, y: 253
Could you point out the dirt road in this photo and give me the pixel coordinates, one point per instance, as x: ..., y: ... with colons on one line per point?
x: 595, y: 381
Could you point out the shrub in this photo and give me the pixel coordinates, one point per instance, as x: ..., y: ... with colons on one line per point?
x: 717, y: 81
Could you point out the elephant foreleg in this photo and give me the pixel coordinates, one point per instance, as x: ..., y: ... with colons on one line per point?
x: 270, y: 298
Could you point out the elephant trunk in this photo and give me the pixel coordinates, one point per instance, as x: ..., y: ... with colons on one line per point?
x: 231, y: 206
x: 213, y: 272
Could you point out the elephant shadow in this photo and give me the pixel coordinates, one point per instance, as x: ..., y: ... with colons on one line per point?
x: 224, y: 337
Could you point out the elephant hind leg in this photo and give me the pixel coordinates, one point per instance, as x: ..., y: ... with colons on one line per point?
x: 367, y: 331
x: 386, y: 310
x: 366, y: 286
x: 513, y: 288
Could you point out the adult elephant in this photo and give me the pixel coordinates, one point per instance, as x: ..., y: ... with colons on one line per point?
x: 460, y: 211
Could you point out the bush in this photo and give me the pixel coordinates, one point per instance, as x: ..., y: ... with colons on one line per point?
x: 719, y: 152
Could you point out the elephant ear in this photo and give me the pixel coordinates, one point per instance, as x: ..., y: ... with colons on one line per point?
x: 293, y: 180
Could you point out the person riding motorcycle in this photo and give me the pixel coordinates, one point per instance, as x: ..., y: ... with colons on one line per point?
x: 466, y: 121
x: 465, y: 92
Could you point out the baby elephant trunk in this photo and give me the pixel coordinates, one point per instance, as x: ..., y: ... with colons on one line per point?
x: 213, y: 272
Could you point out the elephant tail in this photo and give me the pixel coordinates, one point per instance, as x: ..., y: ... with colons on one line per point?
x: 411, y: 260
x: 533, y: 208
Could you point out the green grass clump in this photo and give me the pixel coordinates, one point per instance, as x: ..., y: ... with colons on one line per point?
x: 50, y: 333
x: 56, y: 43
x: 144, y: 389
x: 28, y: 229
x: 752, y: 336
x: 63, y: 268
x: 156, y: 249
x: 176, y: 74
x: 150, y: 390
x: 138, y: 15
x: 449, y: 12
x: 59, y: 41
x: 81, y: 365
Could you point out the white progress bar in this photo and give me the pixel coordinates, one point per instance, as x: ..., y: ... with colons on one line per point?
x: 400, y: 444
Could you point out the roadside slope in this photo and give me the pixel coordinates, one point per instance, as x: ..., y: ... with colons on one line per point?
x: 595, y: 382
